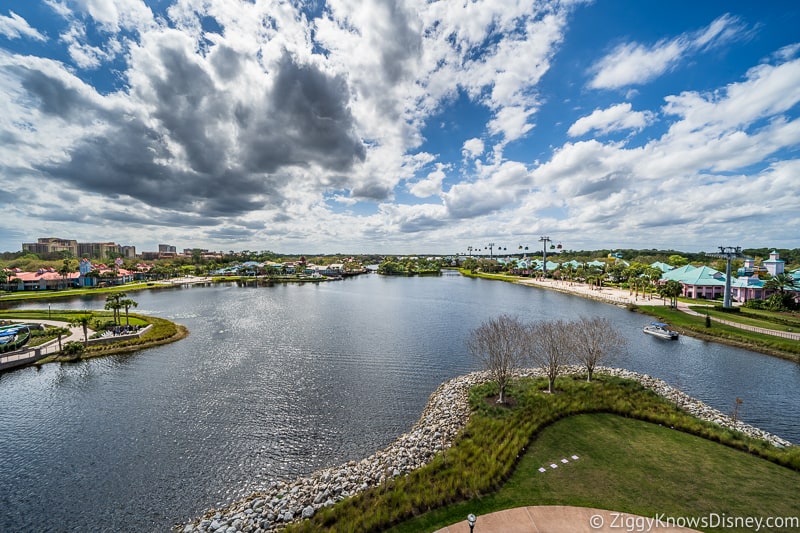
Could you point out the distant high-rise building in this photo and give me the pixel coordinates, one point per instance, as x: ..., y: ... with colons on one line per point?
x: 168, y: 249
x: 51, y: 245
x: 99, y: 250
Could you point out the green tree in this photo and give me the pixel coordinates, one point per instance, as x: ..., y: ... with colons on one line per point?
x: 126, y: 304
x: 677, y: 261
x: 113, y: 303
x: 653, y: 275
x: 83, y: 321
x: 60, y: 332
x: 780, y: 283
x: 65, y: 270
x: 671, y: 289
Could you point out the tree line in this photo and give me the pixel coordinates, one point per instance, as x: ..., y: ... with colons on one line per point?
x: 505, y: 344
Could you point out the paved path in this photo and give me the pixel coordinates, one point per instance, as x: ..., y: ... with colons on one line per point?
x: 50, y: 347
x: 624, y: 297
x: 682, y: 306
x: 562, y: 519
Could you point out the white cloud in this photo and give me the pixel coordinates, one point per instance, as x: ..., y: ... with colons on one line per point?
x: 499, y: 190
x: 15, y: 27
x: 635, y: 63
x: 119, y: 14
x: 615, y: 118
x: 431, y: 185
x: 472, y: 148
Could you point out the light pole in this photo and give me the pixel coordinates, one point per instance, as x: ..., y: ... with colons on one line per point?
x: 490, y: 246
x: 469, y: 249
x: 48, y: 311
x: 471, y: 519
x: 544, y: 241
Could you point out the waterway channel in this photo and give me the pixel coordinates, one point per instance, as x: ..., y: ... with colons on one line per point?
x: 275, y: 382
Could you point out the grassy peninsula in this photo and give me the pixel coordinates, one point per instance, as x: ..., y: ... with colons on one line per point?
x: 493, y: 463
x: 162, y: 331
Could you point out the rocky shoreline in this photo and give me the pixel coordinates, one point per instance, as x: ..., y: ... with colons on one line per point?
x: 444, y: 416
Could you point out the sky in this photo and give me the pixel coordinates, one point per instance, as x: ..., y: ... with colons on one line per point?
x: 417, y: 126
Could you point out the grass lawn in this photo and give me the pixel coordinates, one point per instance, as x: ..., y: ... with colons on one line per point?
x: 632, y: 466
x: 764, y: 319
x: 759, y: 342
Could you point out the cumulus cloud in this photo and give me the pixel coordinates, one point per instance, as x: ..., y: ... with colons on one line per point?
x: 615, y: 118
x: 472, y: 148
x: 431, y: 185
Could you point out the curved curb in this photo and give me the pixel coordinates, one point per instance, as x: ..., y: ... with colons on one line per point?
x: 565, y: 519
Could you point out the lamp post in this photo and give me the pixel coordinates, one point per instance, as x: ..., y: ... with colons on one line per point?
x: 48, y: 311
x: 471, y: 519
x: 490, y: 246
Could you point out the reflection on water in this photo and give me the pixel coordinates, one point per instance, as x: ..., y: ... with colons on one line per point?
x: 275, y: 382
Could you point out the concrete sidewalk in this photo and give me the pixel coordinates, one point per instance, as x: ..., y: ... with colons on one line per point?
x: 562, y: 519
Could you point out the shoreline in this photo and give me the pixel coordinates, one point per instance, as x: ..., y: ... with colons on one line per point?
x: 443, y: 418
x: 611, y: 295
x: 623, y: 298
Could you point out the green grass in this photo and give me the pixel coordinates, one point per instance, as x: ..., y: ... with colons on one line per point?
x: 767, y: 320
x: 483, y: 275
x: 63, y: 293
x: 695, y: 326
x: 632, y: 466
x: 485, y: 454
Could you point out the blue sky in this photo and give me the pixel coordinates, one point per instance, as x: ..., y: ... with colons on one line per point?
x: 400, y: 127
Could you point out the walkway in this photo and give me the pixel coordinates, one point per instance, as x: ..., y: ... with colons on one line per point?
x: 623, y: 297
x: 682, y: 306
x: 563, y: 519
x: 31, y: 354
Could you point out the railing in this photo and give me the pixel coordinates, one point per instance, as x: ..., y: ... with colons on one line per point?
x: 30, y: 355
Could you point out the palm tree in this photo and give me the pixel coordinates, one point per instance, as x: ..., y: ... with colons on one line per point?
x: 65, y: 270
x: 60, y: 332
x: 671, y: 289
x: 83, y: 321
x: 113, y: 303
x: 127, y: 303
x: 780, y: 282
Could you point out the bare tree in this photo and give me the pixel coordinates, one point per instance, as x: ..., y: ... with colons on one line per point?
x: 499, y: 345
x: 593, y: 340
x: 550, y: 347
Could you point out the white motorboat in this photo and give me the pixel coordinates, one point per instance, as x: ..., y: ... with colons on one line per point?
x: 661, y: 330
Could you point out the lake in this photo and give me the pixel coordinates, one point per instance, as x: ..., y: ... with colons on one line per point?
x: 278, y: 381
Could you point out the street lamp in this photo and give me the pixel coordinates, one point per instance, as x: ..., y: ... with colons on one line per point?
x: 471, y: 518
x: 48, y: 311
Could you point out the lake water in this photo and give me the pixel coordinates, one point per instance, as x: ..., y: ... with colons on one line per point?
x: 275, y: 382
